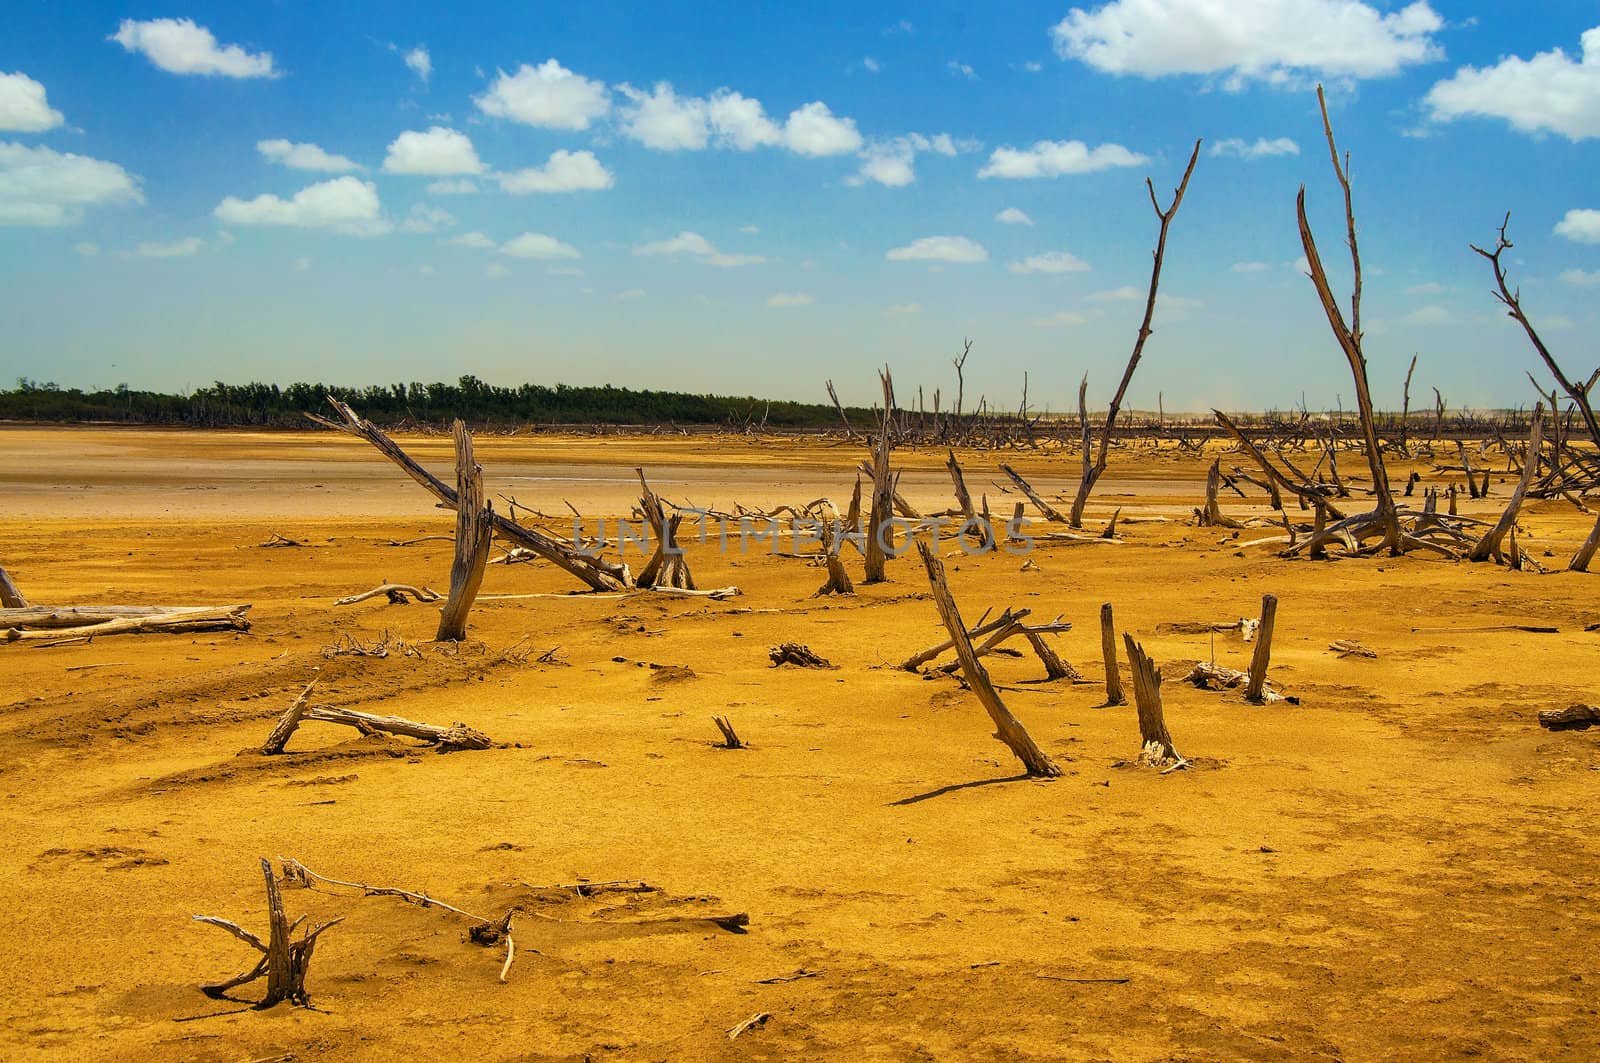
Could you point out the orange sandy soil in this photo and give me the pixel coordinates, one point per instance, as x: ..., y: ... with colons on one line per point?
x: 1404, y: 866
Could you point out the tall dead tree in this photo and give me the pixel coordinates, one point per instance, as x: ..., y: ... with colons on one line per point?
x: 879, y: 526
x: 1007, y: 728
x: 1093, y: 469
x: 971, y: 523
x: 1489, y: 546
x: 1405, y: 409
x: 474, y: 530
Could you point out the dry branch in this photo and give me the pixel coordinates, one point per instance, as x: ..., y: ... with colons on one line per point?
x: 730, y: 739
x: 284, y: 962
x: 448, y: 739
x: 395, y: 592
x: 11, y: 598
x: 211, y: 618
x: 474, y: 531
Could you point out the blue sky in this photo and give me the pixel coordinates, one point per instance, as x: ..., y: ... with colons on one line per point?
x: 751, y: 199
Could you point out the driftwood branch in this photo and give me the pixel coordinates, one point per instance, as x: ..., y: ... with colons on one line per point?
x: 474, y: 530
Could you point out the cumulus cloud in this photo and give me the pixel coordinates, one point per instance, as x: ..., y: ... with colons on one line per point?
x: 565, y: 171
x: 420, y: 62
x: 1581, y: 226
x: 940, y: 249
x: 1049, y: 262
x: 178, y: 46
x: 665, y: 121
x: 814, y: 130
x: 1054, y: 158
x: 1013, y: 216
x: 694, y: 246
x: 424, y: 218
x: 892, y: 162
x: 1262, y: 148
x: 459, y: 187
x: 1431, y: 314
x: 790, y: 299
x: 548, y: 96
x: 39, y: 186
x: 1552, y: 92
x: 740, y: 122
x: 538, y: 245
x: 1125, y: 294
x: 439, y: 152
x: 1581, y: 278
x: 303, y: 157
x: 472, y: 239
x: 961, y: 70
x: 23, y: 107
x: 1273, y: 41
x: 345, y: 205
x: 189, y: 245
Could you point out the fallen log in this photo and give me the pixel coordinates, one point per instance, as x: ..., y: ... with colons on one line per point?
x: 223, y: 618
x: 448, y: 739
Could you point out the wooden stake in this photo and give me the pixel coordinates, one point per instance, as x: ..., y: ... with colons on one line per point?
x: 1108, y: 650
x: 1255, y: 691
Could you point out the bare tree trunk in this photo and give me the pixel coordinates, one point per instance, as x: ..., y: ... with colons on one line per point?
x: 879, y: 527
x: 1108, y: 651
x: 1489, y: 545
x: 1580, y: 560
x: 474, y: 530
x: 1093, y: 472
x: 964, y: 500
x: 1007, y: 728
x: 1156, y: 748
x: 10, y: 597
x: 1405, y: 410
x: 1256, y: 689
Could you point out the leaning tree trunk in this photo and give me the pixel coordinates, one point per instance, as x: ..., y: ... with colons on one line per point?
x: 880, y: 528
x: 474, y: 530
x: 1489, y: 545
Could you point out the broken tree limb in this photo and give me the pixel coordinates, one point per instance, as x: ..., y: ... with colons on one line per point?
x: 1093, y: 472
x: 448, y: 739
x: 730, y: 739
x: 598, y: 573
x: 1045, y: 508
x: 1155, y: 744
x: 284, y: 962
x: 1580, y: 560
x: 474, y: 531
x: 11, y: 598
x: 797, y: 654
x: 1256, y: 691
x: 917, y: 660
x: 287, y: 723
x: 395, y: 592
x: 1108, y: 651
x: 1007, y: 728
x: 214, y: 618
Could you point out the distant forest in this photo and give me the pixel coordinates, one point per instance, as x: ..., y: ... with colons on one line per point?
x: 470, y: 399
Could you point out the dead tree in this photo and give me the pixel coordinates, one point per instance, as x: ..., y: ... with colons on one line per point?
x: 1108, y: 651
x: 1007, y: 728
x: 1256, y: 690
x: 284, y: 962
x: 1211, y: 516
x: 599, y: 574
x: 447, y: 739
x: 879, y: 526
x: 1045, y: 508
x: 474, y: 530
x: 1489, y: 546
x: 849, y: 432
x: 1405, y: 410
x: 1580, y: 560
x: 1092, y: 470
x: 971, y: 522
x: 838, y: 576
x: 11, y: 598
x: 666, y: 567
x: 1155, y: 744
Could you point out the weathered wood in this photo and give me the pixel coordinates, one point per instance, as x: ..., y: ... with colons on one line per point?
x: 216, y: 618
x: 12, y: 598
x: 970, y: 519
x: 1049, y: 511
x: 1108, y: 651
x: 922, y: 657
x: 599, y: 574
x: 395, y: 592
x: 1580, y: 560
x: 1054, y: 666
x: 474, y: 531
x: 879, y: 527
x: 730, y: 739
x: 456, y: 736
x: 1007, y: 728
x: 285, y: 727
x: 51, y: 616
x: 1489, y: 546
x: 1263, y: 652
x: 1571, y: 717
x: 1155, y: 744
x: 284, y: 962
x: 839, y: 581
x: 1211, y: 515
x: 667, y: 566
x: 797, y: 654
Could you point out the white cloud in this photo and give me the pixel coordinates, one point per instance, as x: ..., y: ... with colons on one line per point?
x: 39, y: 186
x: 565, y: 171
x: 87, y: 249
x: 697, y: 247
x: 1069, y: 318
x: 564, y: 271
x: 439, y: 152
x: 1580, y: 278
x: 1261, y: 149
x: 420, y: 62
x: 178, y: 46
x: 871, y: 65
x: 1580, y: 226
x: 459, y: 187
x: 1049, y: 262
x: 1431, y: 314
x: 790, y: 299
x: 1250, y: 267
x: 472, y: 239
x: 1426, y: 288
x: 1053, y: 158
x: 346, y: 205
x: 892, y: 162
x: 1013, y: 216
x: 190, y: 245
x: 940, y: 249
x: 538, y: 245
x: 425, y: 218
x: 663, y: 120
x: 495, y: 270
x: 1274, y: 41
x: 750, y: 230
x: 814, y: 130
x: 1033, y: 66
x: 1125, y: 294
x: 548, y: 96
x: 960, y: 69
x: 1549, y: 93
x: 23, y: 107
x: 901, y: 309
x: 303, y: 157
x: 740, y: 122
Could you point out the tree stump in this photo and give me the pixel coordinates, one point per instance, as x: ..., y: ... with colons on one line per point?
x: 1108, y: 650
x: 474, y: 530
x: 284, y: 962
x: 1256, y: 689
x: 1156, y: 748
